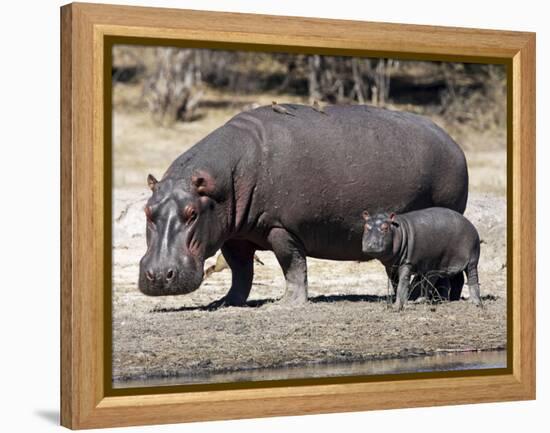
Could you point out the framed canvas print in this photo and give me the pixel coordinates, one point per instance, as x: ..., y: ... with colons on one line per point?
x: 267, y: 216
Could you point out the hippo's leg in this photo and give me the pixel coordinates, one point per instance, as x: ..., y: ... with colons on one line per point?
x: 457, y: 282
x: 442, y: 290
x: 473, y: 283
x: 391, y: 272
x: 239, y: 255
x: 403, y: 286
x: 291, y: 255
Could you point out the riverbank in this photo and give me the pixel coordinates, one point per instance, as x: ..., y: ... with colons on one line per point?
x: 346, y: 320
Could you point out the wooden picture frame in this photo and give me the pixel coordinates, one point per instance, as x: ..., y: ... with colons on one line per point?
x: 86, y: 30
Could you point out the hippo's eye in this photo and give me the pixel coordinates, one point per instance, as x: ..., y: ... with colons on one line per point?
x: 384, y: 227
x: 368, y: 227
x: 189, y: 214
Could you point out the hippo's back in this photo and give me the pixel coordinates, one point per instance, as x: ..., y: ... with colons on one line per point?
x: 316, y: 173
x: 389, y: 154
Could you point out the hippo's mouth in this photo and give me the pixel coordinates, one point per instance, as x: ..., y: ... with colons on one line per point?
x: 374, y: 251
x: 183, y: 284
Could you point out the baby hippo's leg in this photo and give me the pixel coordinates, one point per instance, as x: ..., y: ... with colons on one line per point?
x: 392, y: 273
x: 430, y: 287
x: 473, y: 283
x: 457, y: 282
x: 442, y: 289
x: 415, y: 289
x: 402, y: 287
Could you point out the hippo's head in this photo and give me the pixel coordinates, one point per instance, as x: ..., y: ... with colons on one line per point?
x: 183, y: 229
x: 378, y: 234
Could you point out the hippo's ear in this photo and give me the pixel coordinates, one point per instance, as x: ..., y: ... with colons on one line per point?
x: 151, y: 182
x: 365, y: 215
x: 204, y: 183
x: 393, y: 220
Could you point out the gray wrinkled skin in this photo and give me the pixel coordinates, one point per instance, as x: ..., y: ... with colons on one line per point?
x: 431, y: 243
x: 295, y: 185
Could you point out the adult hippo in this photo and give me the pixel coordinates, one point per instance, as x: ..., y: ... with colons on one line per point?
x: 295, y: 185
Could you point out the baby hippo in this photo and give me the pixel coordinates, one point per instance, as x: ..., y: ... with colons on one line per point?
x: 432, y: 243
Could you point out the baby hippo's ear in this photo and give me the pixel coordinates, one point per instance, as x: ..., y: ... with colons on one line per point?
x: 151, y: 182
x: 392, y: 219
x: 365, y: 215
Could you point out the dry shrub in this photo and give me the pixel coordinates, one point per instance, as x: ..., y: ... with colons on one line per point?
x: 173, y: 90
x: 482, y: 106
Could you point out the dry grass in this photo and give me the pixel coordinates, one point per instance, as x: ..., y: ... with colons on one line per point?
x: 347, y: 320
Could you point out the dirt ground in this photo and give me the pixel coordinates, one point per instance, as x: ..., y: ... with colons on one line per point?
x: 347, y: 319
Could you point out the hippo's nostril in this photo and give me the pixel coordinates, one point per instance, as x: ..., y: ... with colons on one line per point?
x: 169, y: 274
x: 149, y: 275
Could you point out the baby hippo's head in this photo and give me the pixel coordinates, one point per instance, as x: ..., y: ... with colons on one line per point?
x: 378, y: 234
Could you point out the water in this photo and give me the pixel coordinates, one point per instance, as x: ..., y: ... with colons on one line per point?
x: 439, y: 362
